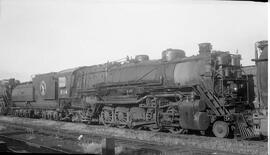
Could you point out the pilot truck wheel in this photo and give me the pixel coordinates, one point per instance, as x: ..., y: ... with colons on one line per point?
x: 221, y: 129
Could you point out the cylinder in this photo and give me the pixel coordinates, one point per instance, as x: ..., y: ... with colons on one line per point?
x: 201, y: 120
x: 199, y: 105
x: 191, y: 118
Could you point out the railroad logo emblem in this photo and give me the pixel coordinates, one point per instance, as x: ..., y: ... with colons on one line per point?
x: 42, y: 88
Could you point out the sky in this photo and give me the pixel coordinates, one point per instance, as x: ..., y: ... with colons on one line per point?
x: 41, y: 36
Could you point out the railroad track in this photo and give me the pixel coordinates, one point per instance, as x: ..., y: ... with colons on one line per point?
x: 140, y: 139
x: 137, y: 145
x: 21, y: 146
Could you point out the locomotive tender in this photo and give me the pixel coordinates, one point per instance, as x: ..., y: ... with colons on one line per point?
x: 206, y: 92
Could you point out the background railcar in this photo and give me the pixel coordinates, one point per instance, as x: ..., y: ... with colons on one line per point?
x: 260, y: 117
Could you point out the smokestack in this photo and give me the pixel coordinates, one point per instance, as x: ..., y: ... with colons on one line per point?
x: 205, y: 48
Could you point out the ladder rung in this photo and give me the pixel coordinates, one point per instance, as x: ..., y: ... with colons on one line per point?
x: 213, y: 101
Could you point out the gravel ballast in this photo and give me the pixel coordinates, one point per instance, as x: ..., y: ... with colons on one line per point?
x: 200, y: 142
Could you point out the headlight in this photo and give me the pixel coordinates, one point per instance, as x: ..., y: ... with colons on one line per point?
x: 234, y: 87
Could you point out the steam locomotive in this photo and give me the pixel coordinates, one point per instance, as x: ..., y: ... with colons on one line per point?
x: 207, y: 93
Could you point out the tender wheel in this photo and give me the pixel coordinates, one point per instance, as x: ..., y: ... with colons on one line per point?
x: 221, y: 129
x: 176, y: 130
